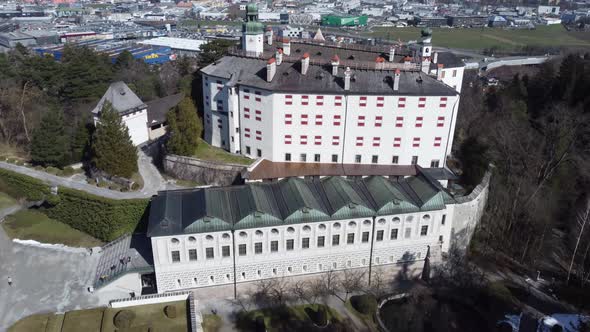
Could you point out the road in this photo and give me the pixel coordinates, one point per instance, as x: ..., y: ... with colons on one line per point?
x: 153, y: 180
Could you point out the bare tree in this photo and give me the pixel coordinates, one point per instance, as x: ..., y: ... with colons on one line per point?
x: 351, y: 281
x: 582, y: 220
x: 379, y: 285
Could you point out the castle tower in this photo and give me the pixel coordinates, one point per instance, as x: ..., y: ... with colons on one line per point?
x: 252, y: 32
x: 426, y: 43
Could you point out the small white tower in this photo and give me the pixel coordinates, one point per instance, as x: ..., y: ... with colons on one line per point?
x: 252, y: 32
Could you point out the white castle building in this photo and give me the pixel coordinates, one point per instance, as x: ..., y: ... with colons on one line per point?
x: 218, y: 236
x: 304, y: 101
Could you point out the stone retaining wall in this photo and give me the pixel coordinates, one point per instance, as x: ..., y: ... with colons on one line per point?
x: 202, y: 171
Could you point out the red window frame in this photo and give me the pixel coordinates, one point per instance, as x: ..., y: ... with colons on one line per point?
x: 335, y: 140
x: 246, y: 113
x: 303, y: 139
x: 288, y: 119
x: 257, y: 93
x: 399, y: 121
x: 421, y: 102
x: 378, y: 121
x: 380, y: 101
x: 258, y: 135
x: 288, y: 99
x: 304, y: 118
x: 440, y: 122
x: 401, y: 102
x: 376, y: 141
x: 363, y: 101
x: 416, y: 142
x: 304, y: 100
x: 338, y: 101
x: 359, y: 140
x: 443, y: 102
x: 337, y: 119
x: 246, y: 94
x: 258, y: 115
x: 247, y: 132
x: 419, y: 121
x: 397, y: 142
x: 361, y: 121
x: 317, y: 140
x: 288, y: 139
x: 437, y: 141
x: 319, y: 100
x: 319, y: 119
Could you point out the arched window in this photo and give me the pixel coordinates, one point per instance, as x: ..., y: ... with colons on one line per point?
x: 290, y: 230
x: 336, y: 225
x: 367, y: 222
x: 426, y: 217
x: 395, y: 220
x: 321, y: 227
x: 274, y: 231
x: 225, y: 236
x: 243, y: 235
x: 381, y: 221
x: 259, y: 233
x: 174, y: 240
x: 192, y: 239
x: 306, y: 229
x: 352, y: 224
x: 209, y: 237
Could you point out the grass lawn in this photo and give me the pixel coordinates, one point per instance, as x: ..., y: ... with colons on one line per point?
x: 273, y: 320
x: 478, y: 38
x: 6, y: 201
x: 369, y: 320
x: 83, y: 320
x: 211, y: 323
x: 147, y: 317
x: 34, y: 225
x: 207, y: 152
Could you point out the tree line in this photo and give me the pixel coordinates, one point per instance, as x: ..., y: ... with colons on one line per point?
x: 535, y: 130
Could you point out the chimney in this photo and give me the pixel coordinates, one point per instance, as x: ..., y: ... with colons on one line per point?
x: 347, y: 75
x: 286, y: 46
x: 396, y: 80
x: 304, y: 63
x: 279, y: 56
x: 335, y: 64
x: 379, y: 63
x: 392, y: 54
x: 435, y: 59
x: 269, y: 34
x: 271, y: 69
x: 439, y: 72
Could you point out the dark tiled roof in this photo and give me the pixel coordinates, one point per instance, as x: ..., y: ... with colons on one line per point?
x: 157, y: 109
x: 290, y: 201
x: 448, y: 59
x: 267, y: 169
x: 122, y: 99
x: 319, y: 79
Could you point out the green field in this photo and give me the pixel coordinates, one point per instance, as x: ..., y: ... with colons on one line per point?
x: 6, y: 201
x: 34, y: 225
x: 207, y: 152
x: 480, y: 38
x: 149, y: 317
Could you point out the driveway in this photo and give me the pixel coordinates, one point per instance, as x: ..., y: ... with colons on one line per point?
x: 44, y: 280
x: 153, y: 181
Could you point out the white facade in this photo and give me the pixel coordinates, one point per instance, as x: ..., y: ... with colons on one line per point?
x: 338, y: 128
x: 396, y: 239
x: 137, y: 123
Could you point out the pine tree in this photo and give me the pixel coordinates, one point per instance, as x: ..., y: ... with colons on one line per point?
x: 112, y: 149
x: 185, y: 128
x: 49, y: 146
x: 79, y: 142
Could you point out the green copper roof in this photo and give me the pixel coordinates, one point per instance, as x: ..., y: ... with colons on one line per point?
x: 291, y: 201
x: 253, y: 28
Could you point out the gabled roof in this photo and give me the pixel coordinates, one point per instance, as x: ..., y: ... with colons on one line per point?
x: 291, y: 201
x: 123, y: 99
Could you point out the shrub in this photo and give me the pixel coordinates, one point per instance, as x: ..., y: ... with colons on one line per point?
x: 170, y: 311
x: 39, y: 168
x: 22, y: 186
x: 124, y: 319
x: 319, y: 317
x: 499, y: 291
x: 135, y: 186
x: 365, y: 304
x: 68, y: 171
x: 102, y: 184
x: 52, y: 170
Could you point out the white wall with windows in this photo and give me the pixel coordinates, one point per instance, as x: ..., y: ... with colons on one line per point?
x: 200, y: 260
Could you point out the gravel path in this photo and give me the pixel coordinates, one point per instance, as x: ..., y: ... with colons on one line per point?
x: 44, y: 279
x: 153, y: 180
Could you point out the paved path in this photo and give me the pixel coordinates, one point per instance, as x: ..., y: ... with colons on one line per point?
x: 153, y: 181
x: 44, y: 280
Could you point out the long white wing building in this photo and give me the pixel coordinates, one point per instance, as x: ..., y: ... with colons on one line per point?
x: 311, y: 101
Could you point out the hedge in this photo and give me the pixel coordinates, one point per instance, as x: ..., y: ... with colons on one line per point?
x: 22, y: 186
x: 103, y: 218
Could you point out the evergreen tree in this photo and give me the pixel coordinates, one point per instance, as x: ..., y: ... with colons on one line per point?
x: 112, y: 149
x: 49, y: 145
x: 80, y: 142
x: 185, y: 128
